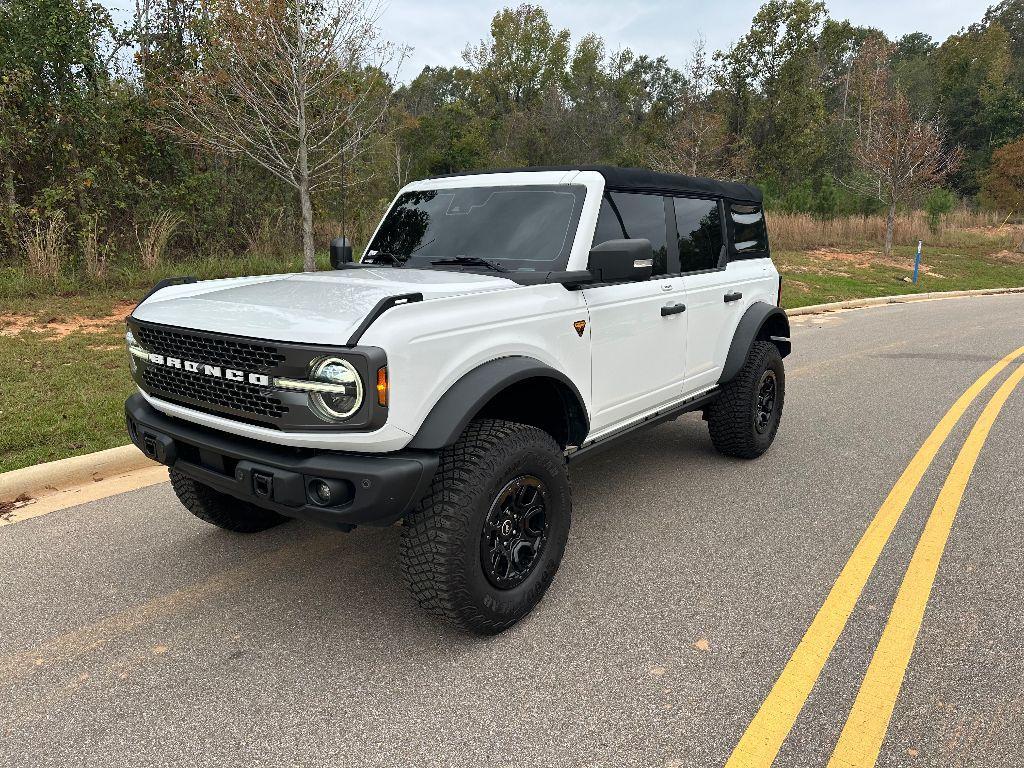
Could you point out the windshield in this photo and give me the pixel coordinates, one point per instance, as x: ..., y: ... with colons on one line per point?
x: 503, y: 228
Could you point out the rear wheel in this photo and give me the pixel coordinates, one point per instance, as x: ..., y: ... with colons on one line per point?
x: 484, y: 544
x: 744, y: 419
x: 220, y: 509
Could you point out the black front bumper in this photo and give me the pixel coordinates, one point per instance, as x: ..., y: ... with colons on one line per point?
x: 367, y: 489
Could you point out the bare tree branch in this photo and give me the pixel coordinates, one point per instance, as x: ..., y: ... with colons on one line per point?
x: 293, y: 86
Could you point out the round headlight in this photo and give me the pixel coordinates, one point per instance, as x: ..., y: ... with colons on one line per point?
x: 344, y: 393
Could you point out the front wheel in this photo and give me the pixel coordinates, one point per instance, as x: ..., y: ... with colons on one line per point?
x: 745, y: 417
x: 484, y: 544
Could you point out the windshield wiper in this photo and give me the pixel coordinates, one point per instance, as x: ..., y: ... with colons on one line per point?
x: 396, y: 261
x: 470, y: 261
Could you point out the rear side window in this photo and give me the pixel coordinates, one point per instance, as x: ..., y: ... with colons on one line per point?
x: 625, y: 216
x: 699, y: 228
x: 749, y: 236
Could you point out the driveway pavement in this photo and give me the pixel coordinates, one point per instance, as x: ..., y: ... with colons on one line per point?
x: 132, y: 634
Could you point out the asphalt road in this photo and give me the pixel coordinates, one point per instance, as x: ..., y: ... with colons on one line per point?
x: 133, y: 634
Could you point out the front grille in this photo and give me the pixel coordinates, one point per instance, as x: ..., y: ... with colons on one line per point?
x: 256, y: 358
x: 172, y: 381
x: 234, y: 395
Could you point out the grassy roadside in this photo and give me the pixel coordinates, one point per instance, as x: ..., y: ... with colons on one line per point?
x: 63, y: 377
x: 833, y: 274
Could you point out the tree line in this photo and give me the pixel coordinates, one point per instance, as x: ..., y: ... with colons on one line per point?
x: 212, y: 126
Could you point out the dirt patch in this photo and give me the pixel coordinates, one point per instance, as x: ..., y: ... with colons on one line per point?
x: 57, y: 328
x: 8, y: 508
x: 1009, y: 257
x: 867, y: 259
x: 799, y: 286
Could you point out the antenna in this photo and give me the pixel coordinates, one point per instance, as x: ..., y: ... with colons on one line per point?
x: 344, y: 188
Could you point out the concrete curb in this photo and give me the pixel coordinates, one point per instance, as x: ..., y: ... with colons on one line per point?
x: 67, y: 473
x: 879, y: 301
x: 79, y: 470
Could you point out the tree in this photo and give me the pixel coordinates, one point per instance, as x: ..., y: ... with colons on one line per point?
x: 1003, y: 184
x: 524, y: 56
x: 898, y: 154
x: 697, y: 133
x: 775, y: 74
x: 980, y: 108
x: 940, y: 201
x: 1009, y: 14
x: 298, y: 87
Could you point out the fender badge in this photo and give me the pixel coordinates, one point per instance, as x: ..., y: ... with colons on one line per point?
x: 579, y: 325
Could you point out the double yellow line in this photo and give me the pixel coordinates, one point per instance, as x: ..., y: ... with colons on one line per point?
x: 862, y: 736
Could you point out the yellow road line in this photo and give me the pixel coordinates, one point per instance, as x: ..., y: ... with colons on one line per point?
x: 862, y: 736
x: 766, y: 733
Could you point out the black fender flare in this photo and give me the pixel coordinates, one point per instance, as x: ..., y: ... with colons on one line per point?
x: 761, y: 321
x: 467, y: 396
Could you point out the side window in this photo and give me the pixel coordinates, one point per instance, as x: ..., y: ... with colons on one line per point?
x: 625, y: 215
x: 750, y: 237
x: 699, y: 225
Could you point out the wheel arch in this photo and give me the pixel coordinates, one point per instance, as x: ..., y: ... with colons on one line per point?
x: 761, y: 322
x: 516, y: 388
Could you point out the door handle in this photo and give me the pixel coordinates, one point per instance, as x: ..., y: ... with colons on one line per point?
x: 672, y: 309
x: 734, y: 296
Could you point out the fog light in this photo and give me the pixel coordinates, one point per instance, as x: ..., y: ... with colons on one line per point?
x: 322, y: 491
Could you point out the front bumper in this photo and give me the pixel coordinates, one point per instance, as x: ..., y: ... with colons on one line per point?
x: 369, y: 489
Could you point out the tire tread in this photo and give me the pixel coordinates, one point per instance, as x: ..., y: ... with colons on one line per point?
x: 220, y: 509
x: 434, y: 535
x: 730, y: 418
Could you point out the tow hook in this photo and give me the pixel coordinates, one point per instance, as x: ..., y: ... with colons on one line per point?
x: 263, y: 485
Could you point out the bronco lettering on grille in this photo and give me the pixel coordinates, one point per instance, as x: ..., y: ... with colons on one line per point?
x: 215, y: 371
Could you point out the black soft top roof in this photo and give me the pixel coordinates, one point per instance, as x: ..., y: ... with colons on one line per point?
x: 642, y: 180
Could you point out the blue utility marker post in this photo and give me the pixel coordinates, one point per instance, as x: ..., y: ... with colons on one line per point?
x: 917, y: 261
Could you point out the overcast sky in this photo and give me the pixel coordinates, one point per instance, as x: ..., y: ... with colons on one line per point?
x: 438, y: 31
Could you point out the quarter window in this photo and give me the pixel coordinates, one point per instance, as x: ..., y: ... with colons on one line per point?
x: 626, y: 215
x: 699, y: 227
x: 748, y: 230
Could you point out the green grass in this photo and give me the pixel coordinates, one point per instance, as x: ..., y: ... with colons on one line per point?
x: 64, y: 397
x: 61, y: 398
x: 808, y: 278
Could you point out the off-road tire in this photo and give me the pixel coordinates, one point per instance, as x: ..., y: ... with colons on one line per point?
x: 440, y: 551
x: 220, y: 509
x: 731, y: 417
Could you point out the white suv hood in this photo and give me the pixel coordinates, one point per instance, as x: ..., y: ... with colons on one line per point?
x: 314, y: 308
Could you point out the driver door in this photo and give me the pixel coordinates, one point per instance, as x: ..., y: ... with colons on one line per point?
x: 638, y: 329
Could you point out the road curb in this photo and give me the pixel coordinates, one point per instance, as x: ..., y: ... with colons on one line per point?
x: 66, y: 473
x: 906, y: 298
x: 79, y: 470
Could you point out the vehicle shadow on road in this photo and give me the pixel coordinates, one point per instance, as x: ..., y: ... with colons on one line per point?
x: 350, y: 584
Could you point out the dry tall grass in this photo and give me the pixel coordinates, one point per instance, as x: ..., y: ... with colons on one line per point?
x: 153, y: 242
x: 271, y: 237
x: 800, y: 231
x: 46, y: 246
x: 94, y: 253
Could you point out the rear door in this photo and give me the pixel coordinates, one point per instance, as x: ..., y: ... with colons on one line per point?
x: 638, y: 350
x: 723, y: 250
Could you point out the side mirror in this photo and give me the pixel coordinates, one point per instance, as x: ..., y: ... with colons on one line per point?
x: 341, y: 252
x: 619, y: 260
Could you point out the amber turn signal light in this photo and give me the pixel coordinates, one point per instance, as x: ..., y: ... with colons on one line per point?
x: 382, y: 386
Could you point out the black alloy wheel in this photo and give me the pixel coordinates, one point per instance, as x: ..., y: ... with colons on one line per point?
x: 483, y: 545
x: 764, y: 409
x: 515, y: 532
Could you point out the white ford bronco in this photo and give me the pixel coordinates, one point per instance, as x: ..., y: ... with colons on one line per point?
x: 499, y: 326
